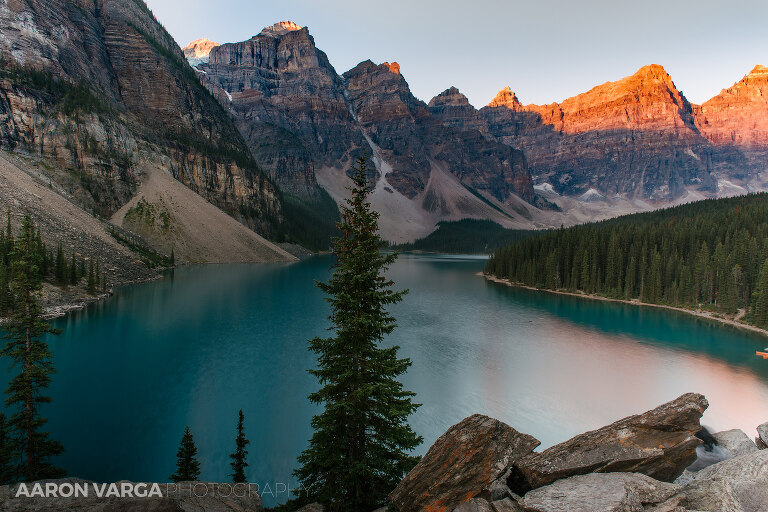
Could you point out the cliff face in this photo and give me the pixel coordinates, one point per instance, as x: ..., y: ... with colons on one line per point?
x: 636, y: 137
x: 101, y: 91
x: 736, y: 123
x: 288, y: 101
x: 738, y: 116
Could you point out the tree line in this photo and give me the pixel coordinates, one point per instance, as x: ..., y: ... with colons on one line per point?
x: 711, y: 254
x: 51, y: 266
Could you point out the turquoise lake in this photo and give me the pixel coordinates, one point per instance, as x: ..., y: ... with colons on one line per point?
x: 195, y: 347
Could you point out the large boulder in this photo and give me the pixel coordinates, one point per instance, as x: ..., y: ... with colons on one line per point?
x: 736, y: 442
x: 599, y: 492
x: 739, y: 484
x: 182, y: 497
x: 659, y: 443
x: 462, y: 462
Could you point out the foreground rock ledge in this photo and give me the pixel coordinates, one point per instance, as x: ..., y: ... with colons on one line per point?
x: 461, y: 463
x: 659, y: 443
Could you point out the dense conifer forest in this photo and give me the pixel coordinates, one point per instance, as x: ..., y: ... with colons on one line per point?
x: 711, y: 254
x: 51, y: 265
x: 467, y: 236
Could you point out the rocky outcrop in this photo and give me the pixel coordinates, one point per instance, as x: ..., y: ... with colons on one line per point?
x: 599, y: 492
x: 100, y: 91
x: 461, y: 463
x: 184, y: 496
x: 636, y: 137
x: 659, y: 443
x: 739, y: 484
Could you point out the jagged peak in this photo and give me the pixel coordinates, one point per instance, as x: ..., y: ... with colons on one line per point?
x: 450, y: 96
x: 758, y: 71
x: 199, y: 48
x: 506, y: 98
x: 652, y: 70
x: 280, y: 28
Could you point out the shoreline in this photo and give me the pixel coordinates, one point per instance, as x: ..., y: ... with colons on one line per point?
x: 698, y: 314
x: 60, y: 308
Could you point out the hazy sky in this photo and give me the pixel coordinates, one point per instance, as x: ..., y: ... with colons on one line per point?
x: 546, y: 50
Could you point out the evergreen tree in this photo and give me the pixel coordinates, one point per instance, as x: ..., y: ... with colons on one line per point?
x: 187, y: 466
x: 81, y: 271
x: 73, y: 270
x: 34, y: 360
x: 7, y: 452
x: 5, y: 292
x: 760, y: 313
x: 60, y: 267
x: 91, y: 278
x: 360, y: 448
x: 239, y: 462
x: 173, y: 258
x: 97, y: 274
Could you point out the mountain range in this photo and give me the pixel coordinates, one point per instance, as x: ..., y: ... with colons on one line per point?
x: 631, y: 145
x: 107, y: 110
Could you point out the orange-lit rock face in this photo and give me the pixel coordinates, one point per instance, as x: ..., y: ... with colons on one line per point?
x: 506, y: 98
x: 635, y: 137
x: 738, y: 115
x: 647, y: 100
x: 199, y: 49
x: 393, y: 68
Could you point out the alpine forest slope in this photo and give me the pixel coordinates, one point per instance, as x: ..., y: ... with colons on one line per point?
x: 305, y: 124
x: 99, y: 97
x: 709, y: 255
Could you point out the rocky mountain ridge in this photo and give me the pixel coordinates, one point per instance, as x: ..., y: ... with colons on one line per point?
x: 640, y: 139
x: 624, y: 146
x: 306, y: 124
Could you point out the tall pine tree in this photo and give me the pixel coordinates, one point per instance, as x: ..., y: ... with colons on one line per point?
x: 7, y: 452
x: 33, y: 359
x: 361, y: 444
x: 187, y: 465
x: 239, y: 462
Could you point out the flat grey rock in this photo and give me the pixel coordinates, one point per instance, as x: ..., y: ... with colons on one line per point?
x: 599, y: 492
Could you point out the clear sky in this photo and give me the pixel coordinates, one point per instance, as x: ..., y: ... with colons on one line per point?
x: 546, y: 50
